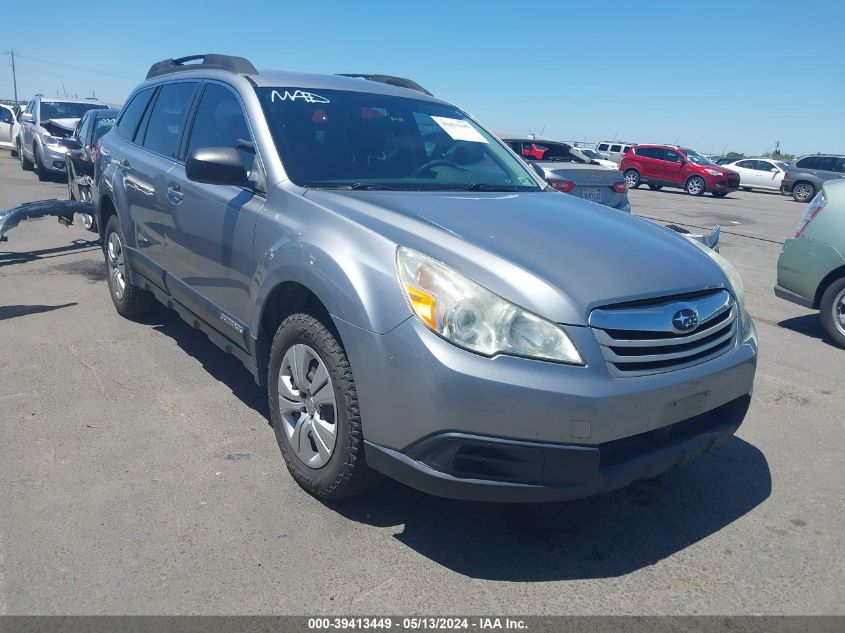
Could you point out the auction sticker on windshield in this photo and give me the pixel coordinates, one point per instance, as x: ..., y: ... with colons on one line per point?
x: 459, y: 130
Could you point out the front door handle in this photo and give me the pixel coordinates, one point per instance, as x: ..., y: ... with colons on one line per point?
x: 174, y: 193
x: 124, y: 163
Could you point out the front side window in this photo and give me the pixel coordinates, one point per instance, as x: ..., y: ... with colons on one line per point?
x: 615, y: 148
x: 5, y: 115
x: 220, y: 122
x: 697, y: 158
x: 167, y: 120
x: 343, y: 139
x: 603, y: 147
x: 672, y: 156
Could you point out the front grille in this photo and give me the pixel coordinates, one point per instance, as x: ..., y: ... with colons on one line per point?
x: 642, y: 339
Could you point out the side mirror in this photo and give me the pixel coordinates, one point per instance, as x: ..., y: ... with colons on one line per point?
x: 71, y: 143
x: 216, y: 166
x: 27, y: 117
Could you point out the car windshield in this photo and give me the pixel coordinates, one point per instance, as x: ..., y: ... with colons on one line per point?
x: 66, y: 110
x: 783, y: 166
x: 697, y: 158
x: 591, y: 153
x: 359, y: 140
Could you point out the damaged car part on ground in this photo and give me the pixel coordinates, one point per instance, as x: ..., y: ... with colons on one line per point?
x: 64, y: 210
x: 416, y: 300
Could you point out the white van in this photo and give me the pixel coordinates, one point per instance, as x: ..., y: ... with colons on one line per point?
x: 614, y: 150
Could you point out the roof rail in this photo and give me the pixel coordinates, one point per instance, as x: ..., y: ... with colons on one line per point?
x: 210, y: 61
x: 393, y: 81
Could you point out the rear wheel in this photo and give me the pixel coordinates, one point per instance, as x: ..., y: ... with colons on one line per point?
x: 832, y: 308
x: 803, y: 192
x: 655, y: 187
x: 129, y: 300
x: 632, y: 178
x: 746, y: 188
x: 314, y: 410
x: 696, y: 186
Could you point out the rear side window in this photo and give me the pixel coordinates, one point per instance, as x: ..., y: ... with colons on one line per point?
x: 811, y: 162
x: 127, y: 125
x: 747, y: 164
x: 615, y: 148
x: 5, y: 115
x: 167, y: 120
x: 603, y: 147
x: 220, y: 122
x: 840, y: 165
x: 826, y: 163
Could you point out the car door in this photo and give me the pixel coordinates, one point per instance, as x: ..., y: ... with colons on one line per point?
x: 7, y: 121
x: 768, y: 175
x: 672, y: 167
x: 746, y: 170
x: 26, y: 127
x: 209, y: 246
x: 649, y: 163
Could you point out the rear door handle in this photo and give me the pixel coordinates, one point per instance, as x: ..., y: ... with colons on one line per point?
x: 174, y: 193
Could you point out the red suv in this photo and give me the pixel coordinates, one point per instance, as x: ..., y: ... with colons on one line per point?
x: 661, y: 166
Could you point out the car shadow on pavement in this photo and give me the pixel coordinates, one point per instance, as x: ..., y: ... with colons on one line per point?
x: 808, y: 325
x: 222, y: 366
x: 599, y: 537
x: 10, y: 312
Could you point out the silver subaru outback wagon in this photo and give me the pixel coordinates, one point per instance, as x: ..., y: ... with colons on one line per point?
x: 416, y: 301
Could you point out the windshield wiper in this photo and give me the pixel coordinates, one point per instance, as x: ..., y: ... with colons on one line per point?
x: 356, y: 186
x: 483, y: 186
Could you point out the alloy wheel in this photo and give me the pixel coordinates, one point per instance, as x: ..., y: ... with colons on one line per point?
x: 117, y: 265
x: 695, y: 186
x: 839, y: 311
x: 307, y: 405
x: 803, y: 192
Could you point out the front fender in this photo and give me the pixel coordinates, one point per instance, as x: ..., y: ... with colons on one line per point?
x: 350, y: 269
x: 110, y: 190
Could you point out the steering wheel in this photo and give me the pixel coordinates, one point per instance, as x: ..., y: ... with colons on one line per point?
x: 438, y: 162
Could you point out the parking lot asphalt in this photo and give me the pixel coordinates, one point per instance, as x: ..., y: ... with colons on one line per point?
x: 138, y: 473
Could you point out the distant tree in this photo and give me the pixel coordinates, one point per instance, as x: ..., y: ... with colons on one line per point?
x: 734, y: 155
x: 779, y: 155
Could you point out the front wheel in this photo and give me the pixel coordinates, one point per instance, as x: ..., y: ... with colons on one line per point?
x: 39, y: 165
x: 129, y: 300
x: 655, y: 187
x: 26, y: 164
x: 832, y: 308
x: 314, y: 410
x: 696, y: 186
x: 803, y: 192
x: 632, y: 178
x: 719, y: 194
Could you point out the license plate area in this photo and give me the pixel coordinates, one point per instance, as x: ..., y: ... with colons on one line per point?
x: 593, y: 194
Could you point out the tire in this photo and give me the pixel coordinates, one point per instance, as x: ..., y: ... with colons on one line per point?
x: 26, y: 164
x: 832, y: 307
x: 803, y: 192
x: 129, y: 300
x: 655, y: 187
x: 632, y: 178
x: 40, y: 170
x: 695, y: 186
x: 719, y: 194
x: 70, y: 194
x: 303, y: 427
x: 746, y: 188
x: 14, y: 152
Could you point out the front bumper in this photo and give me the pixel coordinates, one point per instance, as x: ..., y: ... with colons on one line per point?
x: 723, y: 184
x: 412, y: 386
x: 477, y: 468
x: 53, y: 158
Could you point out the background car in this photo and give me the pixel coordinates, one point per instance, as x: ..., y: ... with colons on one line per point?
x: 759, y: 173
x: 614, y: 150
x: 672, y: 166
x: 805, y: 176
x: 44, y: 123
x: 568, y: 172
x: 80, y: 156
x: 811, y: 266
x: 9, y: 126
x: 591, y: 155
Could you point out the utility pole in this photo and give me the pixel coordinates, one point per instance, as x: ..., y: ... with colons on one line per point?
x: 14, y: 76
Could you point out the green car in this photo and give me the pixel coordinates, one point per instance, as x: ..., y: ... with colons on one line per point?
x: 811, y: 266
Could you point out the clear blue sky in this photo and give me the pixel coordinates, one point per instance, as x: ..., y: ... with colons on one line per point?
x: 735, y: 74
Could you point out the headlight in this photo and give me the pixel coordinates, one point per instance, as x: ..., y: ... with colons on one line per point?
x: 470, y: 316
x: 714, y: 172
x: 51, y: 140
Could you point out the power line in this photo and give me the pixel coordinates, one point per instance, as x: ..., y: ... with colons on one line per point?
x: 79, y: 68
x: 11, y: 53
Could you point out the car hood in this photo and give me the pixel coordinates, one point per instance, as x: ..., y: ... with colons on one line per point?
x: 549, y: 252
x: 69, y: 125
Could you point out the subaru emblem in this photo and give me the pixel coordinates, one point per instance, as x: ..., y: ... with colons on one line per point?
x: 685, y: 320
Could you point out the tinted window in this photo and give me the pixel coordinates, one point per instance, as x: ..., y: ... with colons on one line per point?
x: 651, y: 152
x: 615, y: 148
x: 220, y: 122
x: 671, y: 156
x: 747, y: 164
x: 826, y: 163
x: 30, y: 107
x: 811, y: 162
x: 102, y: 125
x: 132, y: 113
x: 83, y: 129
x: 839, y: 165
x: 603, y: 147
x: 65, y: 110
x: 167, y: 120
x: 5, y: 115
